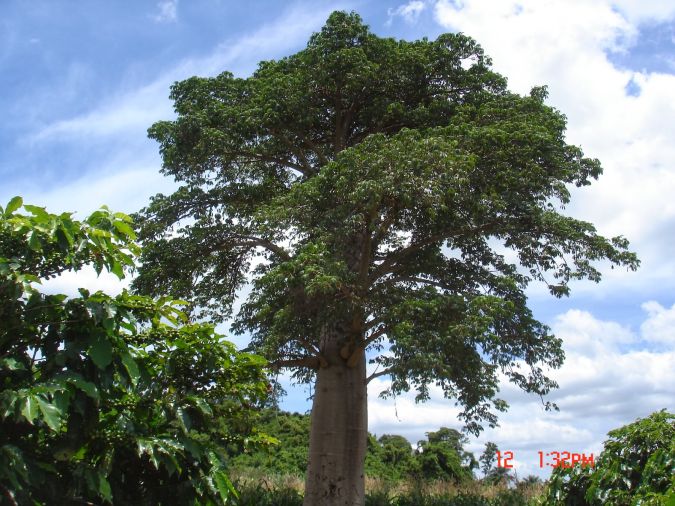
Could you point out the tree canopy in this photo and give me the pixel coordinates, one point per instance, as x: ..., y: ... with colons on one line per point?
x: 386, y: 199
x: 372, y: 179
x: 109, y: 399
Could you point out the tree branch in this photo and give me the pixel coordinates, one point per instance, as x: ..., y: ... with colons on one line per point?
x: 374, y: 336
x: 415, y: 279
x: 383, y: 372
x: 386, y: 266
x: 389, y: 262
x: 298, y: 152
x: 371, y: 323
x: 259, y: 241
x: 311, y: 362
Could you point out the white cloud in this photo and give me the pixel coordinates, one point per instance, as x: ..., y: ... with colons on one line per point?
x: 129, y: 113
x: 122, y: 184
x: 649, y: 10
x: 609, y: 379
x: 69, y: 282
x: 566, y: 44
x: 587, y: 336
x: 660, y: 326
x: 167, y: 11
x: 410, y: 11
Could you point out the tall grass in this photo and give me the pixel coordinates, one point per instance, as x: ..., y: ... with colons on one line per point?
x: 284, y: 490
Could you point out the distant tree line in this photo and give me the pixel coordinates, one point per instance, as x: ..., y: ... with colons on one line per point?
x: 441, y: 456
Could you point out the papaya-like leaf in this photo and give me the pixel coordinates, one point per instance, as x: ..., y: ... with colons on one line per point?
x: 13, y: 205
x: 100, y: 351
x: 50, y: 414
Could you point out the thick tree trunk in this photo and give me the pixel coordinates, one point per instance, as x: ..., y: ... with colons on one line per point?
x: 338, y: 437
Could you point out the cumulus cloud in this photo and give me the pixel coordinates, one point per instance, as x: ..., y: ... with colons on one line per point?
x: 660, y: 326
x: 567, y: 45
x: 410, y: 11
x: 610, y: 378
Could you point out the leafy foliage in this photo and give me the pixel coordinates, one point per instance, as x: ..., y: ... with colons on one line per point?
x: 390, y: 457
x: 492, y: 473
x: 442, y: 457
x: 488, y: 457
x: 109, y: 399
x: 284, y: 496
x: 637, y: 466
x: 372, y: 179
x: 288, y: 456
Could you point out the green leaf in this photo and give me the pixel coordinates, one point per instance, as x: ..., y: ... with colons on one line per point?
x: 117, y: 270
x: 50, y: 414
x: 34, y: 241
x: 87, y: 387
x: 38, y: 212
x: 11, y: 364
x: 224, y: 485
x: 203, y: 406
x: 104, y: 487
x: 62, y: 400
x: 184, y: 419
x: 131, y: 366
x: 29, y: 408
x: 125, y: 229
x: 100, y: 352
x: 13, y: 205
x: 145, y: 446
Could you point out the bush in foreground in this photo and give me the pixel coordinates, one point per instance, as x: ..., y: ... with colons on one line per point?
x: 637, y: 466
x: 108, y: 399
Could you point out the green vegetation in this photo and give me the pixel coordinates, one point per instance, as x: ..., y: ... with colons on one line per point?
x: 637, y: 466
x: 120, y: 400
x: 391, y: 458
x: 109, y: 399
x: 370, y: 180
x: 373, y: 183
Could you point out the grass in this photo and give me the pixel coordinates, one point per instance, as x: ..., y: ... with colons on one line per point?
x: 285, y: 490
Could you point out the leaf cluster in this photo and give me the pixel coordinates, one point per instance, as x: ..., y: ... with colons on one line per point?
x: 109, y: 399
x: 441, y: 456
x: 636, y: 466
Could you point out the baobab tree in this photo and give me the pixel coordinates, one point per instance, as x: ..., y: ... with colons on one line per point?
x: 368, y: 189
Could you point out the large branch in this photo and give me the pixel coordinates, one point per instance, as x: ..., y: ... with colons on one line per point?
x: 415, y: 279
x: 375, y: 336
x: 387, y: 266
x: 383, y: 372
x: 279, y: 161
x: 259, y: 241
x: 311, y: 362
x: 297, y: 151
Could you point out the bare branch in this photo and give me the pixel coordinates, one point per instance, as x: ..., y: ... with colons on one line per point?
x: 311, y: 362
x: 375, y: 336
x: 415, y: 279
x: 383, y: 372
x: 259, y: 241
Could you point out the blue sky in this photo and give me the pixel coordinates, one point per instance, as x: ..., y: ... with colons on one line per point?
x: 80, y: 83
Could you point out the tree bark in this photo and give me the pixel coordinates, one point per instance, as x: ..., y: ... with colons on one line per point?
x: 339, y: 428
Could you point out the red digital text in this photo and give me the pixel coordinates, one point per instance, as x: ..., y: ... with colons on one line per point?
x: 550, y: 459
